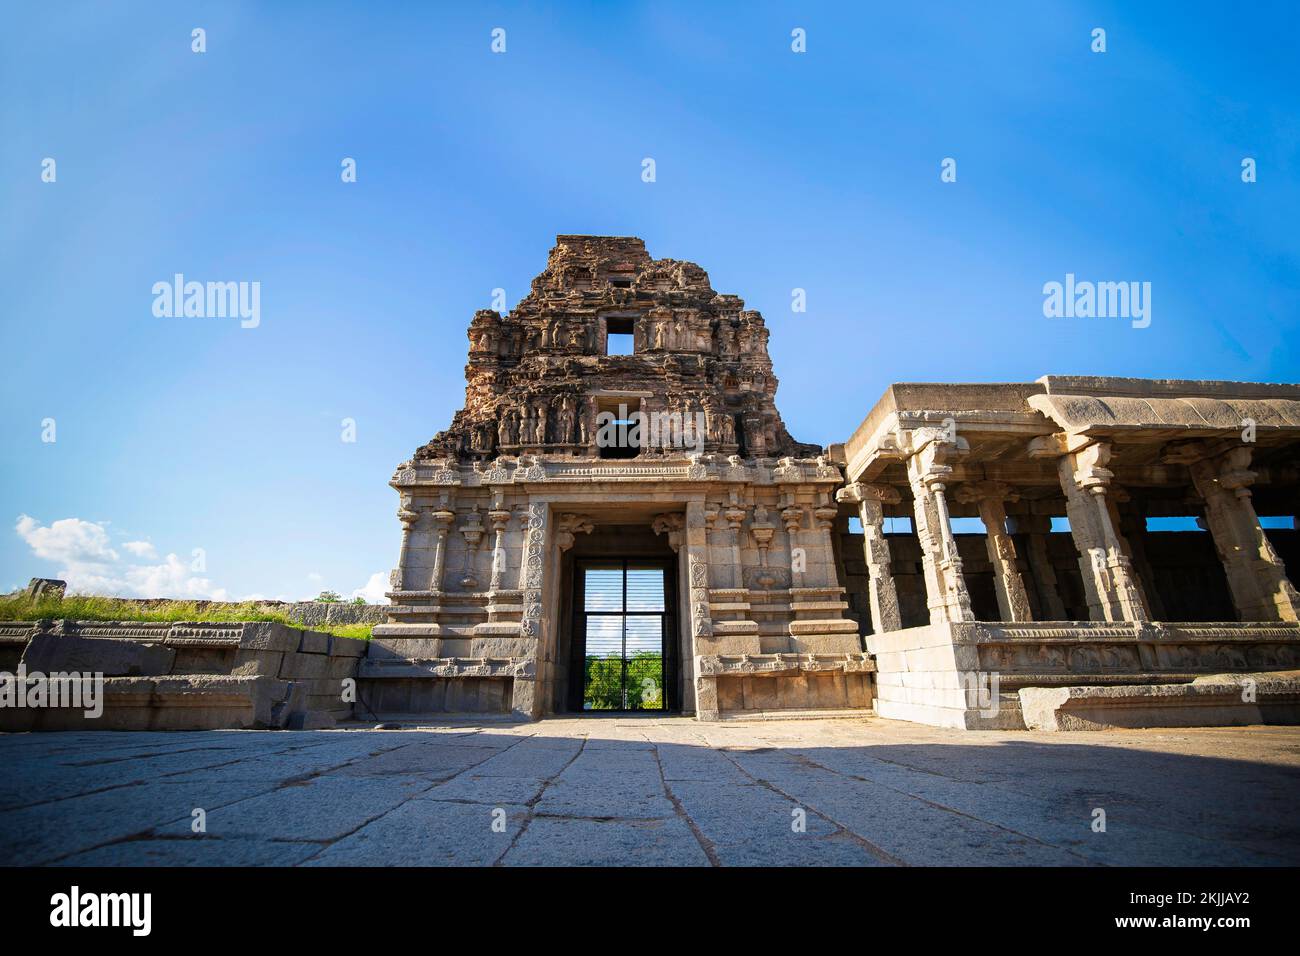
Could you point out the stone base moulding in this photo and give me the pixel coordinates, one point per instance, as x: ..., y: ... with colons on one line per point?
x: 757, y: 685
x: 968, y: 675
x: 398, y: 687
x: 1219, y: 700
x: 194, y: 702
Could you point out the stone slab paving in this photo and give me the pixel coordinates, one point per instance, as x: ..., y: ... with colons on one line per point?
x: 652, y: 791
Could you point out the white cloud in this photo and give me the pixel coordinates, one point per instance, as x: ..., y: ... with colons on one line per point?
x: 68, y: 539
x: 172, y: 579
x: 374, y: 590
x: 86, y: 560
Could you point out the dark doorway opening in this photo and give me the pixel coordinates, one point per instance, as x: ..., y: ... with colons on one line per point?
x: 624, y: 636
x: 618, y: 432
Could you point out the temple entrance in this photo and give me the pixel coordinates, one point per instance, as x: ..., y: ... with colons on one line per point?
x: 624, y: 635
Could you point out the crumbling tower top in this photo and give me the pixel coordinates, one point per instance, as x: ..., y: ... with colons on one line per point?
x: 538, y: 375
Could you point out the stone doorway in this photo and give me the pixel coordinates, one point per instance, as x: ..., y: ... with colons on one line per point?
x: 624, y: 636
x: 620, y: 626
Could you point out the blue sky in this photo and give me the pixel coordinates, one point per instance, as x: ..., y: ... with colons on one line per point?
x: 775, y: 170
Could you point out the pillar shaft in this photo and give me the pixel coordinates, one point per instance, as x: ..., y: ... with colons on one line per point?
x: 885, y: 615
x: 500, y: 519
x: 700, y: 692
x: 1256, y: 575
x: 1035, y: 529
x: 1133, y: 533
x: 408, y: 517
x: 1013, y: 601
x: 442, y: 521
x: 1108, y: 579
x: 946, y: 594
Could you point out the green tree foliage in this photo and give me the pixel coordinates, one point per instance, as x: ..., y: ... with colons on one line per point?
x: 605, y: 682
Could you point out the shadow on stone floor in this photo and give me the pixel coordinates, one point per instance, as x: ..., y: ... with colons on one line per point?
x: 619, y: 793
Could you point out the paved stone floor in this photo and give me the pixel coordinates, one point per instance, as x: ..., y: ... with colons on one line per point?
x: 622, y: 791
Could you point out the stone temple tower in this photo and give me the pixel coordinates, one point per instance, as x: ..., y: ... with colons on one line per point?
x: 618, y: 518
x: 536, y: 377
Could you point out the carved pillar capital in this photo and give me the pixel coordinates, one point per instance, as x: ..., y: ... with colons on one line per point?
x: 824, y: 517
x: 1090, y: 471
x: 792, y: 518
x: 671, y: 525
x: 933, y: 450
x: 569, y: 525
x: 761, y: 528
x: 1234, y: 471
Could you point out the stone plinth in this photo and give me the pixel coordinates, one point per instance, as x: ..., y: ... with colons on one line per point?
x: 969, y: 674
x: 1220, y: 700
x: 186, y: 676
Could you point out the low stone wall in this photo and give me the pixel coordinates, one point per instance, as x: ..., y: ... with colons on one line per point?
x: 306, y: 613
x: 184, y: 676
x: 420, y: 677
x: 742, y: 685
x: 970, y: 675
x: 1220, y: 700
x: 323, y: 613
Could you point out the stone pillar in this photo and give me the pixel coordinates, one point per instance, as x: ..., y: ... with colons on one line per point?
x: 1036, y: 528
x: 990, y: 498
x: 408, y: 516
x: 473, y: 534
x: 499, y: 519
x: 823, y: 524
x: 792, y: 518
x: 871, y: 500
x: 1256, y: 575
x: 524, y: 702
x: 735, y: 516
x: 762, y: 531
x: 701, y: 692
x: 1108, y: 579
x: 946, y: 594
x: 442, y: 521
x: 1132, y: 525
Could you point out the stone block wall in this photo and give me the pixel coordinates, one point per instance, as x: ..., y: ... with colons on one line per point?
x: 744, y: 696
x: 185, y: 676
x: 919, y: 677
x: 424, y: 695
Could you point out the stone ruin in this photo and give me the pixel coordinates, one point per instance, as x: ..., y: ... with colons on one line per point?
x: 503, y: 511
x: 555, y: 559
x: 770, y: 602
x: 538, y: 376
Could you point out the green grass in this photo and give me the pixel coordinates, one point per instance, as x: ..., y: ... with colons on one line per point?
x: 85, y: 607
